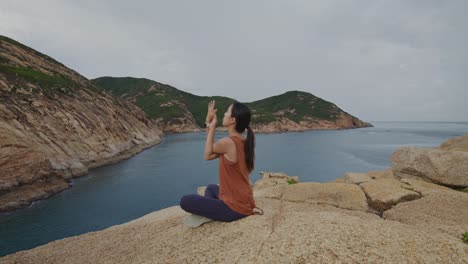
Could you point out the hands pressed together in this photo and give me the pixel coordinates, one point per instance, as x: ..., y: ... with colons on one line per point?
x: 211, y: 119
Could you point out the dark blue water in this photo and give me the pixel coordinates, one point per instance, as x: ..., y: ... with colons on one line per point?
x: 157, y: 177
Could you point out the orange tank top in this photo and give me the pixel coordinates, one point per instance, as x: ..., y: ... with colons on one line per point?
x: 234, y: 185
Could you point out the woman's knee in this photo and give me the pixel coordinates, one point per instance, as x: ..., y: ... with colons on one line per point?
x: 211, y: 188
x: 185, y: 202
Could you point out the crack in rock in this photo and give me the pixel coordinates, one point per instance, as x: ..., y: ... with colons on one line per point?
x: 273, y: 226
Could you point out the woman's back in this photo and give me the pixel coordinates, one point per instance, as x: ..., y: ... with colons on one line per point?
x: 234, y: 184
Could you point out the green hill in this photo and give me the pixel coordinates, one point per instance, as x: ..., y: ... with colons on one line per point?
x: 160, y: 100
x: 170, y: 104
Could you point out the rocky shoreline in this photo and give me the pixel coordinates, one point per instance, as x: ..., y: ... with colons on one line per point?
x: 272, y: 128
x: 25, y: 195
x: 398, y: 215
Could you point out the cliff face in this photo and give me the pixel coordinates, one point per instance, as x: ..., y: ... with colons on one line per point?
x: 55, y: 125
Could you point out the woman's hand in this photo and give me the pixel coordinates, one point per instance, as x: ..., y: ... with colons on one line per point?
x: 211, y: 112
x: 214, y: 120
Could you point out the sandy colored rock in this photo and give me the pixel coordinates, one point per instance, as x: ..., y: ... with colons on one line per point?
x: 422, y: 187
x: 270, y: 179
x: 24, y: 195
x: 434, y: 165
x: 339, y: 180
x: 356, y: 178
x: 288, y: 232
x: 384, y: 193
x: 458, y: 143
x: 381, y: 174
x: 275, y: 192
x: 444, y: 211
x: 342, y: 195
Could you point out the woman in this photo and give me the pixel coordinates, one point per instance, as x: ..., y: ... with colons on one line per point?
x: 233, y: 198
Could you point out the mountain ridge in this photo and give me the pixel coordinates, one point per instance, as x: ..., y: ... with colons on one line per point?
x: 173, y: 108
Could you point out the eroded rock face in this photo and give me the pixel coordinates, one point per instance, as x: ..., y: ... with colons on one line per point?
x: 456, y: 144
x: 186, y: 123
x: 384, y: 193
x: 283, y: 124
x: 356, y: 178
x: 48, y: 136
x: 444, y: 167
x: 342, y: 195
x: 271, y: 179
x: 442, y: 210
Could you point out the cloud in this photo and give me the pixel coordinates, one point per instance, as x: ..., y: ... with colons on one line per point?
x: 378, y: 60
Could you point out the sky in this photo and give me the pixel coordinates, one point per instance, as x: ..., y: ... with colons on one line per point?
x: 395, y: 60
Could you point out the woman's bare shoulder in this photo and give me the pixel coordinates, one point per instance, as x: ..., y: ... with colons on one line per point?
x: 226, y: 140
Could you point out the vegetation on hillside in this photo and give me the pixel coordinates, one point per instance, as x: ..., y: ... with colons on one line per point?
x: 47, y: 81
x: 161, y: 100
x: 166, y: 102
x: 35, y: 52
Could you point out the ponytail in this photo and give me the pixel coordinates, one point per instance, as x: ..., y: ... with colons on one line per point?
x: 242, y: 114
x: 249, y: 149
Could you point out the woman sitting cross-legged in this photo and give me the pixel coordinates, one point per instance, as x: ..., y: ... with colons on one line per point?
x: 233, y: 198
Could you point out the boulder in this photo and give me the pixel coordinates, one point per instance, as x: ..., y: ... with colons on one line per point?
x: 384, y: 193
x: 458, y: 143
x: 443, y: 167
x: 422, y: 187
x: 270, y: 179
x: 342, y: 195
x: 381, y: 174
x: 356, y: 178
x: 441, y: 210
x: 338, y: 180
x: 275, y: 192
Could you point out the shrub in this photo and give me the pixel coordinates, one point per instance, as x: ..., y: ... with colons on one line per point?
x: 292, y: 181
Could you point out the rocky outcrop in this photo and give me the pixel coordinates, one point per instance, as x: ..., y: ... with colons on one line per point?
x: 293, y: 229
x: 271, y: 179
x: 384, y: 193
x: 54, y: 125
x: 179, y: 125
x: 444, y: 211
x: 346, y: 196
x: 283, y: 124
x: 456, y: 144
x: 182, y: 124
x: 447, y: 165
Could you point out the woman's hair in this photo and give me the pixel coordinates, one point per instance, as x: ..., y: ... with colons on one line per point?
x: 242, y: 114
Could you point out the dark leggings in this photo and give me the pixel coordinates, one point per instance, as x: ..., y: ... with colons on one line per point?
x: 209, y: 205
